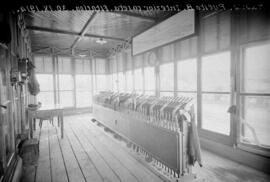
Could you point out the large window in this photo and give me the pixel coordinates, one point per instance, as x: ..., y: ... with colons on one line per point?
x: 121, y: 82
x: 129, y: 81
x: 101, y: 82
x: 44, y: 69
x: 255, y: 95
x: 72, y: 78
x: 166, y: 75
x: 216, y: 92
x: 138, y: 78
x: 187, y: 75
x: 46, y: 95
x: 149, y: 80
x: 83, y: 91
x: 187, y: 80
x: 66, y: 90
x: 115, y: 82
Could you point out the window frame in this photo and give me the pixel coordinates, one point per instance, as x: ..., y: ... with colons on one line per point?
x: 177, y: 75
x: 78, y: 90
x: 144, y: 80
x: 53, y: 89
x: 249, y: 147
x: 205, y: 133
x: 173, y: 81
x: 73, y: 90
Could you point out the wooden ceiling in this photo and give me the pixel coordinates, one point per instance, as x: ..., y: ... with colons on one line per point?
x: 71, y: 32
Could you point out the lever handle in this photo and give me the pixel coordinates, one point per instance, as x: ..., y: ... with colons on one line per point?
x: 3, y: 106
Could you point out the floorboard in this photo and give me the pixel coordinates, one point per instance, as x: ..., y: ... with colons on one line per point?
x: 89, y: 154
x: 43, y: 173
x: 58, y: 167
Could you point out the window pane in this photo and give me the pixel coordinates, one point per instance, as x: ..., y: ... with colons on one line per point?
x: 64, y: 65
x: 167, y: 77
x: 166, y: 94
x: 121, y: 82
x: 101, y: 82
x: 46, y: 99
x: 48, y: 64
x: 187, y: 75
x: 138, y: 91
x: 214, y: 113
x: 129, y: 80
x: 138, y: 79
x: 149, y: 77
x: 255, y: 121
x: 39, y: 64
x: 45, y: 82
x: 65, y: 82
x: 83, y: 82
x: 150, y: 93
x: 256, y: 67
x: 66, y: 98
x: 216, y: 72
x: 109, y: 82
x: 83, y: 99
x: 79, y: 65
x: 87, y: 66
x: 115, y: 81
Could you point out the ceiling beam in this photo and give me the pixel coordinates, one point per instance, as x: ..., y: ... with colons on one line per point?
x: 41, y: 49
x: 84, y: 30
x: 104, y: 37
x: 44, y: 29
x: 136, y: 15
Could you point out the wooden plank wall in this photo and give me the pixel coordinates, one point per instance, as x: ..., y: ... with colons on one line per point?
x: 13, y: 97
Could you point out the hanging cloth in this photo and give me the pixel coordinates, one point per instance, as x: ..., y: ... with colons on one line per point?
x: 33, y: 85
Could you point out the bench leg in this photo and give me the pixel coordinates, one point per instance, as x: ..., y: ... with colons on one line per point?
x: 58, y: 120
x: 62, y: 126
x: 40, y: 123
x: 34, y: 120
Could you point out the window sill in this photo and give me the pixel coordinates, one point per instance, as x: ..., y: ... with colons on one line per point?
x: 254, y: 149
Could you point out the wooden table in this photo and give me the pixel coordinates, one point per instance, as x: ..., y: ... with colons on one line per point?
x: 45, y: 112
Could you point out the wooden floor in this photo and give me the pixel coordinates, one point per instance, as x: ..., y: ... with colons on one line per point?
x: 88, y: 153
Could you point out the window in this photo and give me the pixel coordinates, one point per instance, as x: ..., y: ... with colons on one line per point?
x: 46, y: 95
x: 149, y: 80
x: 166, y: 75
x: 82, y: 66
x: 149, y: 92
x: 216, y: 72
x: 255, y: 124
x: 216, y: 92
x: 83, y: 91
x: 44, y: 64
x: 256, y: 69
x: 214, y: 113
x: 121, y: 82
x: 66, y: 90
x: 129, y: 80
x: 255, y: 95
x: 171, y: 94
x: 115, y: 82
x: 187, y: 80
x: 109, y: 82
x: 101, y: 82
x: 138, y: 78
x: 187, y: 75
